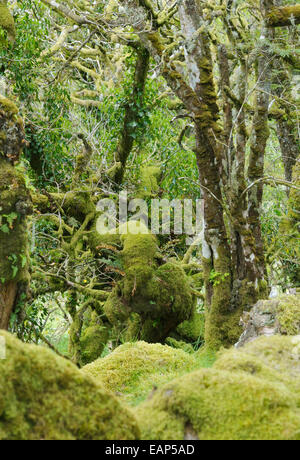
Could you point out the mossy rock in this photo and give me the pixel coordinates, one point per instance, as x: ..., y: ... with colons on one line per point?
x: 133, y: 370
x: 288, y: 314
x: 8, y: 106
x: 280, y: 315
x: 275, y: 358
x: 44, y: 397
x: 210, y: 404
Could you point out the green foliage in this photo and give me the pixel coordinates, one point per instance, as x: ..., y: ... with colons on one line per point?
x: 20, y: 62
x: 217, y: 278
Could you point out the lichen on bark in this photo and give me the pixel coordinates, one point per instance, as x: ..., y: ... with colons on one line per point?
x: 15, y: 206
x: 7, y: 22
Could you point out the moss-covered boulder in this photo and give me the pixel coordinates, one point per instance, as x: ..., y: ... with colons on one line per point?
x: 45, y: 397
x: 269, y: 317
x: 275, y: 358
x: 211, y: 404
x: 133, y: 370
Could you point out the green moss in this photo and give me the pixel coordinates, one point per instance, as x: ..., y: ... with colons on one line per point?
x: 93, y: 340
x: 150, y: 301
x: 280, y: 315
x: 96, y: 240
x: 114, y: 171
x: 77, y: 204
x: 206, y: 357
x: 288, y: 314
x: 294, y: 201
x: 222, y: 329
x: 283, y: 16
x: 7, y: 21
x: 6, y: 104
x: 134, y: 369
x: 290, y: 225
x: 12, y: 136
x: 43, y: 396
x: 149, y: 182
x: 138, y: 259
x: 192, y: 330
x: 275, y: 358
x: 179, y: 344
x: 210, y: 404
x: 14, y: 197
x: 171, y: 291
x: 223, y: 326
x: 41, y: 202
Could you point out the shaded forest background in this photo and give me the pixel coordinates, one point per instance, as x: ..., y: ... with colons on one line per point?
x: 162, y: 99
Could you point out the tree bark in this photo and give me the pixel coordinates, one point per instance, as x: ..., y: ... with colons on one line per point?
x: 287, y: 123
x: 283, y: 16
x: 8, y: 294
x: 228, y: 290
x: 132, y: 116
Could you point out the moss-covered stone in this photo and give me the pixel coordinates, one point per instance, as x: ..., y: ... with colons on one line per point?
x: 46, y: 397
x: 288, y: 315
x: 133, y: 370
x: 275, y: 358
x: 218, y: 405
x: 274, y: 316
